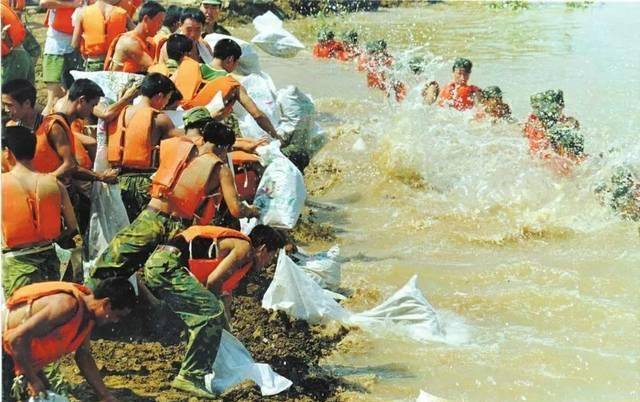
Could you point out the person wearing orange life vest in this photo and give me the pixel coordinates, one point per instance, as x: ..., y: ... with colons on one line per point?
x: 493, y: 107
x: 458, y: 94
x: 134, y: 51
x: 188, y: 185
x: 16, y: 61
x: 377, y: 63
x: 36, y: 212
x: 191, y: 23
x: 327, y: 47
x: 59, y: 56
x: 97, y: 26
x: 48, y: 320
x: 178, y: 47
x: 351, y: 47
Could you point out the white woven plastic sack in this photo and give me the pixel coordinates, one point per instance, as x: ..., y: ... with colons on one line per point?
x: 273, y: 38
x: 111, y: 82
x: 298, y: 115
x: 249, y: 60
x: 295, y: 293
x: 323, y: 268
x: 427, y: 397
x: 261, y: 90
x: 234, y: 364
x: 51, y: 397
x: 281, y: 192
x: 406, y: 311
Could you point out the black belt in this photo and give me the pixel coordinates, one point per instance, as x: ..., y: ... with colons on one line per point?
x: 184, y: 221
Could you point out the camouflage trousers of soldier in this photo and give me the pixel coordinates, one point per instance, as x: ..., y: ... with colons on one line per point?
x: 134, y: 188
x: 199, y: 308
x: 18, y: 270
x: 131, y: 247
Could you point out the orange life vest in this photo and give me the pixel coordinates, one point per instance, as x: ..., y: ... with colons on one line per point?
x: 129, y: 145
x: 62, y: 340
x: 536, y: 133
x: 376, y: 71
x: 227, y: 86
x: 61, y: 19
x: 16, y: 5
x: 159, y: 40
x: 82, y: 155
x: 129, y: 65
x: 29, y: 218
x: 201, y: 268
x: 188, y: 78
x: 16, y: 31
x: 460, y: 98
x: 129, y: 6
x: 330, y: 50
x: 159, y: 68
x: 247, y: 170
x: 98, y: 32
x: 181, y: 179
x: 46, y: 159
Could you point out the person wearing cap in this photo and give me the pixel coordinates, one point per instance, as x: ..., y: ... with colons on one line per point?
x: 492, y: 106
x: 547, y: 111
x: 350, y: 42
x: 211, y: 10
x: 327, y: 47
x: 376, y: 62
x: 458, y: 94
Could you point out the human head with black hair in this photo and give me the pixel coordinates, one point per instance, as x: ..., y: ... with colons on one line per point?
x: 20, y: 141
x: 220, y: 136
x: 114, y: 298
x: 158, y: 88
x: 172, y: 18
x: 18, y: 98
x: 83, y: 96
x: 191, y: 23
x: 174, y: 100
x: 178, y: 46
x: 461, y: 70
x: 265, y: 242
x: 228, y: 52
x: 151, y: 16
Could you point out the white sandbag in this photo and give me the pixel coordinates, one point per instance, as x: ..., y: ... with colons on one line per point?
x: 323, y: 268
x: 260, y: 89
x: 298, y: 115
x: 51, y: 397
x: 427, y: 397
x: 407, y: 311
x: 176, y: 117
x: 273, y: 38
x: 247, y: 225
x: 234, y: 364
x: 295, y: 293
x: 281, y: 193
x: 249, y: 60
x: 111, y: 82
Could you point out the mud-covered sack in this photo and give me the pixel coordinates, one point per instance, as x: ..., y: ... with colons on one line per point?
x: 295, y: 293
x: 273, y: 38
x: 261, y: 90
x: 112, y: 83
x: 281, y: 192
x: 234, y: 364
x: 323, y: 268
x: 50, y: 397
x: 406, y: 311
x: 249, y: 62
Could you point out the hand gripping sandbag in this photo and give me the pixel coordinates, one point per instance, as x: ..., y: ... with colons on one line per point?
x: 261, y: 90
x: 234, y: 364
x: 249, y: 62
x: 273, y: 38
x: 323, y: 268
x: 295, y: 293
x: 406, y: 311
x: 281, y: 192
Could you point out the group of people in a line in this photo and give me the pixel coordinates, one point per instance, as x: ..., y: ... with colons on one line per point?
x: 184, y: 189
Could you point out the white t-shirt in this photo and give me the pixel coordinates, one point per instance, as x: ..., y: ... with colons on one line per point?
x: 57, y: 42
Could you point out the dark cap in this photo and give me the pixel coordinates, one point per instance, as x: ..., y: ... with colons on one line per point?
x: 462, y: 63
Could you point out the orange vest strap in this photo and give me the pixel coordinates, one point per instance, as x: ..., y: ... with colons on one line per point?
x: 61, y: 21
x: 16, y: 31
x: 99, y: 32
x: 46, y: 159
x: 227, y: 85
x: 188, y: 78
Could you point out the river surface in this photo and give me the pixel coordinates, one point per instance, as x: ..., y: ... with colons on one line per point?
x: 535, y: 279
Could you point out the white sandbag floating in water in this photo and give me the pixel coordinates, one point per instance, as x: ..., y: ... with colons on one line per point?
x: 427, y: 397
x: 281, y: 192
x: 407, y: 312
x: 261, y: 90
x: 273, y: 38
x: 234, y: 364
x: 323, y: 268
x: 249, y: 62
x: 51, y: 397
x: 298, y: 120
x: 112, y: 83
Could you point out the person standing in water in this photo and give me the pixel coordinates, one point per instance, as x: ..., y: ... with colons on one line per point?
x: 458, y: 94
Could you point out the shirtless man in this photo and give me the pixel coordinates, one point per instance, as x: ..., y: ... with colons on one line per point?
x: 47, y: 320
x: 134, y: 51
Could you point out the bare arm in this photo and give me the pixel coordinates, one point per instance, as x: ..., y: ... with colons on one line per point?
x: 166, y: 127
x: 53, y: 4
x: 263, y: 121
x: 77, y: 35
x: 111, y: 112
x: 248, y: 145
x: 237, y: 257
x: 231, y: 198
x: 90, y: 372
x: 132, y: 50
x: 60, y: 142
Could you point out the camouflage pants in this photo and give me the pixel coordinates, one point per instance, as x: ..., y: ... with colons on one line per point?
x: 131, y: 247
x: 199, y: 308
x: 23, y: 270
x: 134, y: 188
